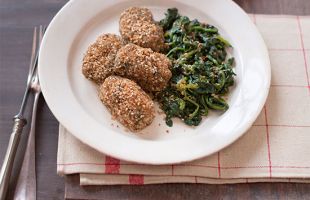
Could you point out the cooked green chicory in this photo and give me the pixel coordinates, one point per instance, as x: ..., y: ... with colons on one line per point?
x: 202, y: 71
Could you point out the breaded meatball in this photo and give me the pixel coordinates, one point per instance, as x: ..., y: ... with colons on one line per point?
x: 127, y: 102
x: 151, y: 70
x: 135, y: 14
x: 98, y: 61
x: 137, y: 26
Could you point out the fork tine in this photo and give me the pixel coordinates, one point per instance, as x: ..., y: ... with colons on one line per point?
x: 39, y: 40
x: 40, y: 34
x: 42, y: 31
x: 33, y: 54
x: 38, y: 44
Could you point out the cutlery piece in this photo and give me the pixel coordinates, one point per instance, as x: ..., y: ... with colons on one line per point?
x: 19, y: 123
x: 26, y: 183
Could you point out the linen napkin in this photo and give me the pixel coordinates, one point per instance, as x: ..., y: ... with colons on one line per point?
x: 275, y: 149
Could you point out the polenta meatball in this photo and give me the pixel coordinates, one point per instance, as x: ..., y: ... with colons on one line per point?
x: 137, y: 26
x: 98, y: 62
x: 151, y: 70
x: 127, y: 102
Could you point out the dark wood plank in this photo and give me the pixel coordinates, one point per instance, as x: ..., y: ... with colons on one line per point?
x: 187, y: 191
x: 15, y: 48
x: 17, y: 18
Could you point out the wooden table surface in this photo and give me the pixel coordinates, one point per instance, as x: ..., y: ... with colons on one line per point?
x: 17, y: 19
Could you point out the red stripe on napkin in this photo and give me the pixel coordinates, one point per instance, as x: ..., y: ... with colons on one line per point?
x: 219, y: 164
x: 112, y: 165
x: 136, y: 179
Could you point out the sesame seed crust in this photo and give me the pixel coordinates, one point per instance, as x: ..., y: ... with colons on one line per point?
x: 127, y: 102
x: 135, y: 14
x: 137, y: 26
x: 98, y: 62
x: 151, y: 70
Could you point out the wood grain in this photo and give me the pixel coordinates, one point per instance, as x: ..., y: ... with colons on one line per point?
x: 17, y: 19
x: 187, y: 191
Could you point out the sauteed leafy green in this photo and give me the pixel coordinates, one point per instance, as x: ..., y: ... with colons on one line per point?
x: 202, y: 72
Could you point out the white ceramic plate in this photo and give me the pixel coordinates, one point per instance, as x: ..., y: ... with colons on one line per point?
x: 74, y: 101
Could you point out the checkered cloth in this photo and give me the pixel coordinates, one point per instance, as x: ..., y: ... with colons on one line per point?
x: 275, y: 149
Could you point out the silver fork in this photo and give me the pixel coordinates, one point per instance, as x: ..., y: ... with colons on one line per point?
x: 19, y: 120
x: 26, y: 183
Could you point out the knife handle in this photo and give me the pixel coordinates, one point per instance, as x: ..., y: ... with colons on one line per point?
x: 7, y: 165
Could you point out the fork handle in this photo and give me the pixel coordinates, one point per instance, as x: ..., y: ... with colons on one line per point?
x: 7, y: 165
